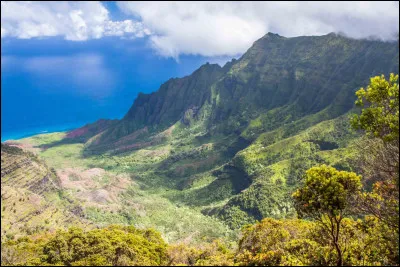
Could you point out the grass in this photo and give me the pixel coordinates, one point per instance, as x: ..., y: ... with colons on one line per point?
x: 176, y: 184
x: 145, y: 203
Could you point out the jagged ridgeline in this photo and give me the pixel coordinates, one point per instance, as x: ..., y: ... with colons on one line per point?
x: 293, y: 77
x: 232, y: 141
x: 235, y: 140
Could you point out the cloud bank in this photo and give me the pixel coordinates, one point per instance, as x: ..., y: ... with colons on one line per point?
x: 217, y: 28
x: 200, y: 28
x: 75, y: 21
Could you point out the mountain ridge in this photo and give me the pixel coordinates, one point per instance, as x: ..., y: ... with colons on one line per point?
x: 229, y: 142
x: 274, y: 72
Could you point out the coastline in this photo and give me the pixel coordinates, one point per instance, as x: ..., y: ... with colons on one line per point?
x: 17, y: 135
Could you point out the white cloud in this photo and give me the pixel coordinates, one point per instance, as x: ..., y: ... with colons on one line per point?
x: 229, y: 28
x: 76, y: 21
x: 121, y: 28
x: 200, y: 28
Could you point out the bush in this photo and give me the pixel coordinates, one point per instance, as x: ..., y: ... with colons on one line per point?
x: 114, y: 245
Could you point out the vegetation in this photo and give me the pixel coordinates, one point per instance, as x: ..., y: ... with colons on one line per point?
x: 114, y: 245
x: 327, y: 197
x: 222, y: 176
x: 380, y: 118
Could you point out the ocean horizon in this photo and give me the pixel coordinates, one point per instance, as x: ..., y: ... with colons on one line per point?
x: 56, y: 82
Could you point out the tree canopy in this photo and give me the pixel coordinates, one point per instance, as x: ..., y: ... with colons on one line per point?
x: 380, y: 102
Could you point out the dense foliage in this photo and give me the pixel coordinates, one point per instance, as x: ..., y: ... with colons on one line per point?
x: 325, y: 197
x: 114, y: 245
x: 270, y: 242
x: 380, y: 117
x: 242, y: 149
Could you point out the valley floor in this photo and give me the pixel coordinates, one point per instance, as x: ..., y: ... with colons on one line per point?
x: 111, y: 190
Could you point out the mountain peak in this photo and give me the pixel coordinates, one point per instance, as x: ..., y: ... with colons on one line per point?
x: 273, y: 73
x: 335, y: 34
x: 272, y: 35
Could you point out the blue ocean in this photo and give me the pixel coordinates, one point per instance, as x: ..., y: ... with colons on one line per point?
x: 50, y: 85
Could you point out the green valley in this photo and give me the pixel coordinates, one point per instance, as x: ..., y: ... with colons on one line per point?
x: 205, y: 170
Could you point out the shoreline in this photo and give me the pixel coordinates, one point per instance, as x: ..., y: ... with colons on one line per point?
x: 14, y: 136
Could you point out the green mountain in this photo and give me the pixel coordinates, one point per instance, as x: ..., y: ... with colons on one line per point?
x: 293, y: 77
x: 228, y: 142
x: 247, y: 130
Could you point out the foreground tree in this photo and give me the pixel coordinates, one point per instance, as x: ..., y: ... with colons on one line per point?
x: 203, y: 254
x: 327, y: 196
x: 379, y: 154
x: 111, y: 246
x: 274, y: 242
x: 380, y: 114
x: 379, y: 119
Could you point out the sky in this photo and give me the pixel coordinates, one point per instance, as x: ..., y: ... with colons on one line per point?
x: 64, y: 64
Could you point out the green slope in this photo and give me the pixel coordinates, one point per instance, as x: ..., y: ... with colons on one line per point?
x: 32, y: 199
x: 228, y: 142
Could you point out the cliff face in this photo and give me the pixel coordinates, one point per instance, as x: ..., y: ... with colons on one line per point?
x: 231, y: 141
x: 31, y: 195
x: 174, y: 97
x: 251, y: 128
x: 292, y: 77
x: 157, y: 111
x: 308, y: 73
x: 21, y: 169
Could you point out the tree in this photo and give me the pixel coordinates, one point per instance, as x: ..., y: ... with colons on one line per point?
x: 380, y: 117
x: 272, y: 242
x: 379, y: 156
x: 209, y: 254
x: 114, y: 245
x: 379, y: 153
x: 327, y: 196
